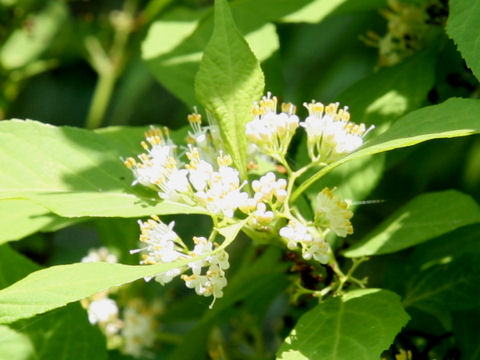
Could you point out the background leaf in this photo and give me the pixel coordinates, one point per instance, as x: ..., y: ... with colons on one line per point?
x: 422, y: 219
x: 14, y: 345
x: 25, y: 44
x: 362, y: 322
x: 444, y: 273
x: 317, y: 10
x: 228, y: 82
x: 462, y: 20
x: 466, y: 334
x: 64, y: 334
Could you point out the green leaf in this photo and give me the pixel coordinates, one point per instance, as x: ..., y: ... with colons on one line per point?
x: 22, y: 217
x: 73, y: 172
x: 446, y: 287
x: 317, y: 10
x: 465, y: 331
x: 444, y: 272
x: 452, y: 118
x: 174, y: 60
x: 228, y: 82
x: 462, y: 22
x: 26, y: 43
x: 64, y: 334
x: 57, y: 286
x: 422, y: 219
x: 14, y: 345
x: 384, y: 96
x: 359, y: 325
x: 13, y: 266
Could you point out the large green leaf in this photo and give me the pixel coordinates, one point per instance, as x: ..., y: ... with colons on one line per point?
x: 73, y: 172
x: 461, y: 27
x: 422, y: 219
x: 359, y: 325
x: 57, y: 286
x: 455, y: 117
x: 22, y: 217
x: 228, y: 82
x: 64, y: 334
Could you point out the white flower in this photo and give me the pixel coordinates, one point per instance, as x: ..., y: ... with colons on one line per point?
x: 162, y: 246
x: 312, y: 246
x: 158, y: 167
x: 333, y: 213
x: 272, y: 132
x: 316, y: 249
x: 330, y: 134
x: 267, y: 187
x: 262, y: 216
x: 102, y: 254
x: 102, y: 310
x: 217, y: 191
x: 139, y: 329
x: 294, y: 233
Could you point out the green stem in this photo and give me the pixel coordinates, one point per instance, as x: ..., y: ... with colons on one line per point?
x: 100, y: 100
x: 108, y: 66
x: 169, y: 338
x: 308, y: 182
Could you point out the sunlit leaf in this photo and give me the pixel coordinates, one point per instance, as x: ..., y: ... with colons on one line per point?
x: 57, y: 286
x: 228, y: 82
x: 316, y: 10
x: 360, y: 324
x: 26, y: 43
x: 422, y: 219
x: 73, y: 172
x: 20, y: 218
x: 14, y: 345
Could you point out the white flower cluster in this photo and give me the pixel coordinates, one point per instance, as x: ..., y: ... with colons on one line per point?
x: 102, y: 310
x: 313, y: 246
x: 139, y: 325
x: 330, y: 134
x: 102, y: 254
x: 163, y: 245
x: 407, y: 27
x: 216, y: 188
x: 206, y: 178
x: 134, y: 330
x: 333, y: 213
x: 269, y: 130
